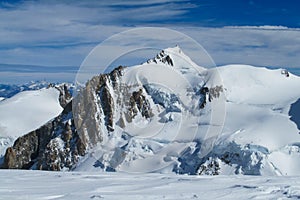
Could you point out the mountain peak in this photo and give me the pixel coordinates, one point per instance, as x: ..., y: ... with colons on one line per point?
x: 174, y: 57
x: 168, y: 114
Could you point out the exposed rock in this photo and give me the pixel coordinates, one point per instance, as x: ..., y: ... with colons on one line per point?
x: 210, y: 167
x: 107, y: 105
x: 22, y: 154
x: 214, y: 92
x: 138, y: 102
x: 58, y: 144
x: 94, y: 106
x: 39, y: 149
x: 209, y: 94
x: 65, y: 95
x: 162, y: 57
x: 10, y: 158
x: 204, y: 91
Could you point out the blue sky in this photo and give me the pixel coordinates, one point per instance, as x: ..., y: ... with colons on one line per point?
x: 41, y: 38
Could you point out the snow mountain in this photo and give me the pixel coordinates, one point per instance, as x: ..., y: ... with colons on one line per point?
x: 171, y: 115
x: 7, y: 91
x: 29, y: 110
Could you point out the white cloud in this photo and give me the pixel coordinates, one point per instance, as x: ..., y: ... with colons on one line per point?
x: 56, y: 33
x: 61, y: 32
x: 261, y: 47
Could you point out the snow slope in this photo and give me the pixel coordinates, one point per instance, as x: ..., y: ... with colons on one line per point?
x: 258, y: 102
x: 86, y: 185
x: 26, y: 112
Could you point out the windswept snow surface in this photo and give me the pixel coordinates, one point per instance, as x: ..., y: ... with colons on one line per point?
x: 26, y: 112
x: 86, y: 185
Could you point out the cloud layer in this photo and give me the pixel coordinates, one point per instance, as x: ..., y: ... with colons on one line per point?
x: 62, y: 33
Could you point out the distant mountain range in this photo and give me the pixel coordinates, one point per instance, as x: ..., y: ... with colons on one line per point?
x: 9, y: 90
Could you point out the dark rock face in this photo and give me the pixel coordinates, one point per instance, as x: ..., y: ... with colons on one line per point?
x: 23, y: 153
x: 204, y: 92
x: 214, y: 92
x: 295, y: 113
x: 28, y: 148
x: 94, y: 106
x: 138, y: 102
x: 163, y: 58
x: 58, y: 144
x: 64, y: 95
x: 107, y: 104
x: 54, y: 146
x: 211, y: 93
x: 211, y: 167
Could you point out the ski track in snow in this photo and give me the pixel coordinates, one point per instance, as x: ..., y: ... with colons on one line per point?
x: 18, y: 184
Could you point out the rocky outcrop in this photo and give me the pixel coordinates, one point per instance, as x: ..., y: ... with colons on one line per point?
x: 58, y: 144
x: 210, y: 167
x: 208, y: 94
x: 23, y: 153
x: 214, y: 92
x: 54, y: 146
x: 94, y: 106
x: 65, y: 95
x: 139, y: 103
x: 162, y: 57
x: 247, y: 160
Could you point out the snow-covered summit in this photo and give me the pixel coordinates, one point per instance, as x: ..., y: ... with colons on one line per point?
x: 256, y: 100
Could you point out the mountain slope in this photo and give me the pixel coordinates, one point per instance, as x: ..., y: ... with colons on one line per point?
x: 26, y: 112
x: 170, y: 115
x: 258, y: 104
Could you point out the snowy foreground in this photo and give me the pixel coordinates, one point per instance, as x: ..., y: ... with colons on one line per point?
x: 87, y: 185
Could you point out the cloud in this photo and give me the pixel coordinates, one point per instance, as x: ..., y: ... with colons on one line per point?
x: 263, y: 46
x: 68, y: 21
x: 37, y: 32
x: 62, y: 33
